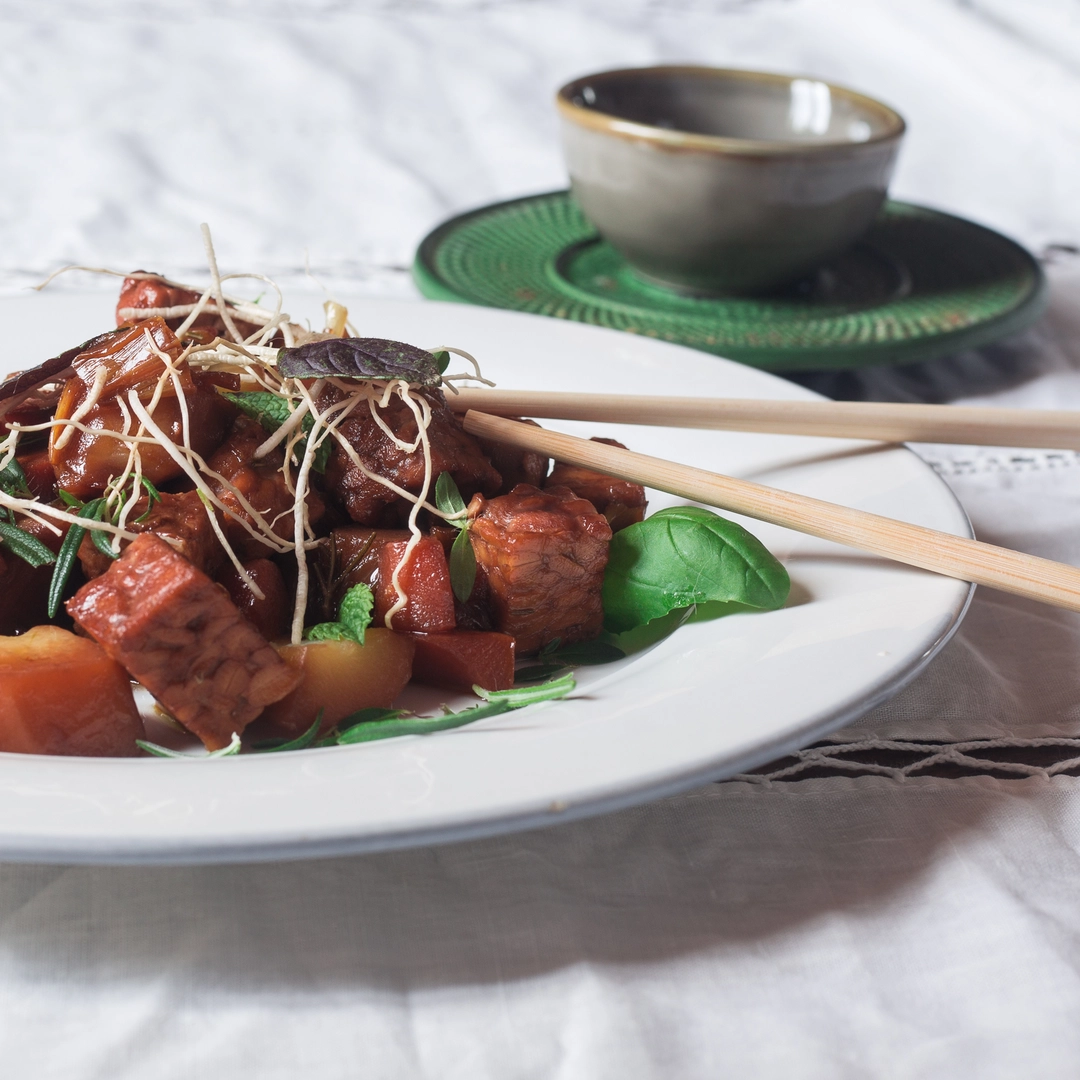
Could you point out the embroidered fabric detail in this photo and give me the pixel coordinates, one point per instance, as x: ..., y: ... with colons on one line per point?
x: 903, y: 758
x: 997, y: 461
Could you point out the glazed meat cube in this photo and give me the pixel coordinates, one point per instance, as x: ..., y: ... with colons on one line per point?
x: 620, y: 501
x: 452, y: 450
x: 542, y: 554
x: 180, y: 635
x: 260, y: 482
x: 181, y: 520
x: 516, y: 465
x: 138, y: 295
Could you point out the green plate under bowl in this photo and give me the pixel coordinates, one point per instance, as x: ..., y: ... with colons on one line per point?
x: 919, y: 285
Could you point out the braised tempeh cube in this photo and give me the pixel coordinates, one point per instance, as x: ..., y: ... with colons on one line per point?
x: 179, y: 634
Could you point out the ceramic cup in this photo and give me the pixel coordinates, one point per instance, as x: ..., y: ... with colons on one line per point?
x: 722, y: 181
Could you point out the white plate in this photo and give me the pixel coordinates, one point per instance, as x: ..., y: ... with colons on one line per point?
x: 714, y: 699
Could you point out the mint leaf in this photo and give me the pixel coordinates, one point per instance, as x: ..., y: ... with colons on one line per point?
x: 328, y: 631
x: 686, y: 555
x: 355, y: 611
x: 272, y: 410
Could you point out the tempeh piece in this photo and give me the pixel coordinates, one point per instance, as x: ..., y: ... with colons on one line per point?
x: 180, y: 635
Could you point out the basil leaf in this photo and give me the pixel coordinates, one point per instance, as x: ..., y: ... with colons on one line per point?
x: 442, y: 358
x: 448, y: 499
x: 272, y: 410
x: 355, y: 611
x: 462, y: 566
x: 359, y: 358
x: 686, y: 555
x: 26, y: 547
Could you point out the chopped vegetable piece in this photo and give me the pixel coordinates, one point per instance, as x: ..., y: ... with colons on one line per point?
x: 339, y: 677
x: 425, y: 578
x: 178, y: 634
x: 463, y: 659
x: 61, y: 694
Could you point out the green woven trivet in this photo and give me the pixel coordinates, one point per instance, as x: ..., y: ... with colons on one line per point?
x: 920, y: 284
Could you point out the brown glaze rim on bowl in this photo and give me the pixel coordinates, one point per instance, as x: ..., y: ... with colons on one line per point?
x: 672, y: 139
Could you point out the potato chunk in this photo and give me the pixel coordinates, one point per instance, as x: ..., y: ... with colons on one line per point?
x: 339, y: 677
x: 61, y: 694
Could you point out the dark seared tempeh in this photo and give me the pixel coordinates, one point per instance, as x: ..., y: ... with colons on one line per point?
x: 182, y: 520
x: 453, y: 450
x: 620, y: 501
x: 542, y: 554
x: 180, y: 635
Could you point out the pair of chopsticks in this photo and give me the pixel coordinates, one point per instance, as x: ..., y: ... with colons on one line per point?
x: 1050, y: 582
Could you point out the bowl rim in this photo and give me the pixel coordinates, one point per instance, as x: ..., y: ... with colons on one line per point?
x: 670, y: 138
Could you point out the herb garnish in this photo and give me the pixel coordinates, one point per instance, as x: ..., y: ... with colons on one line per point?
x: 360, y: 358
x: 555, y: 656
x: 687, y: 555
x: 272, y: 410
x: 14, y: 540
x: 354, y: 617
x: 369, y: 725
x: 462, y: 557
x: 163, y: 751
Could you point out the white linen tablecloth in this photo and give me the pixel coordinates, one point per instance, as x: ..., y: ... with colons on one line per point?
x: 843, y: 926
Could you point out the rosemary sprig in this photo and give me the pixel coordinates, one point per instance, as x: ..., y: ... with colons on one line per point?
x: 163, y: 751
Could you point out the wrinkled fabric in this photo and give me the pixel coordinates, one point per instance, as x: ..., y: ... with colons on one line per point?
x: 839, y: 927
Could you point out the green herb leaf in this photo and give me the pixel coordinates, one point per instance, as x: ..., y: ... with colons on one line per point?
x: 449, y: 501
x: 686, y: 555
x: 13, y: 481
x: 359, y: 358
x: 69, y: 550
x: 354, y: 617
x: 163, y: 751
x: 103, y: 542
x: 272, y: 410
x: 328, y: 631
x: 355, y: 611
x: 301, y: 742
x: 442, y: 358
x: 419, y: 725
x: 69, y: 500
x: 552, y: 659
x: 26, y: 547
x: 369, y: 725
x: 462, y: 565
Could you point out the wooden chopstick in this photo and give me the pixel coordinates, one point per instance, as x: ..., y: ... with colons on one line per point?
x: 953, y: 556
x: 884, y: 421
